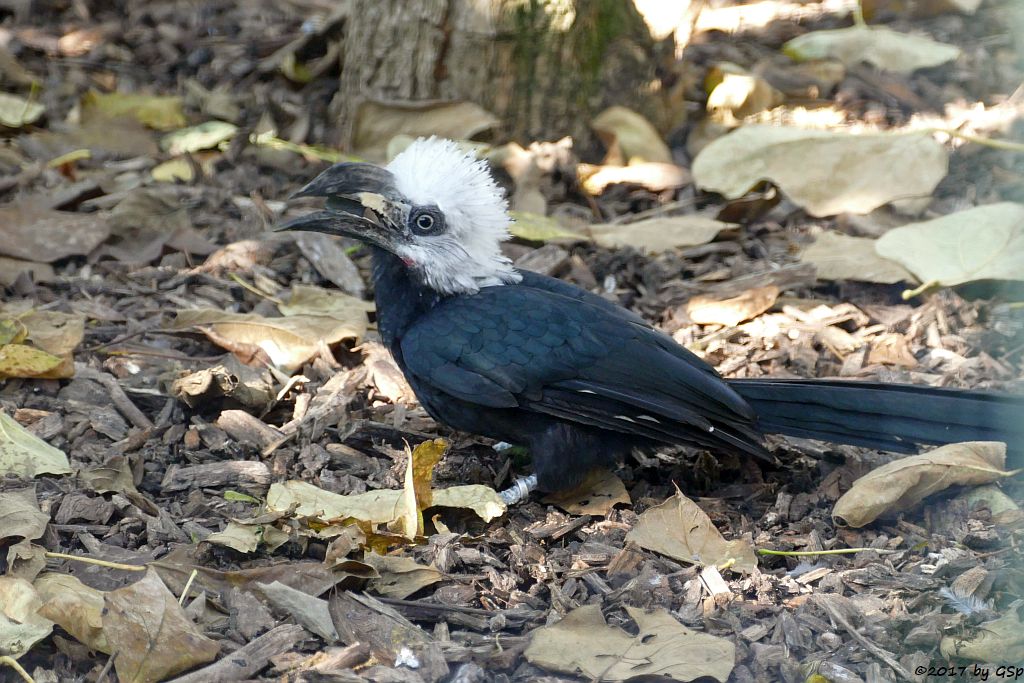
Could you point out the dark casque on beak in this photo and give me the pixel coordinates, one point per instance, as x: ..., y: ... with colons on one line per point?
x: 362, y: 203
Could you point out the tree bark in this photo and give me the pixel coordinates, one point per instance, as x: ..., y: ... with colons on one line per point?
x: 544, y: 68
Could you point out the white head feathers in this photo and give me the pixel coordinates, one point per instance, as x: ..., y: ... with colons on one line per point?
x: 467, y: 255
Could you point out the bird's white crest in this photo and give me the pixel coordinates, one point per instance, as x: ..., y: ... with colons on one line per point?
x: 467, y: 256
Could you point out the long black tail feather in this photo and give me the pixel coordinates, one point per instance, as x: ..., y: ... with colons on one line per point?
x: 893, y: 417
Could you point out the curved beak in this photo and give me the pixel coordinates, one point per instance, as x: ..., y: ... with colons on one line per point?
x: 362, y: 203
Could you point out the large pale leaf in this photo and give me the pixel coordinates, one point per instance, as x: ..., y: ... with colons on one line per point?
x: 878, y: 46
x: 583, y: 644
x: 288, y: 342
x: 1000, y: 641
x: 25, y: 454
x: 903, y: 483
x: 983, y: 243
x: 310, y: 300
x: 824, y: 172
x: 21, y: 625
x: 381, y: 506
x: 400, y: 577
x: 842, y: 257
x: 536, y: 228
x: 680, y: 529
x: 659, y: 234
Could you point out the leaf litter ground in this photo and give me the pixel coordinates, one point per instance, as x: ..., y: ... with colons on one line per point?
x: 177, y: 445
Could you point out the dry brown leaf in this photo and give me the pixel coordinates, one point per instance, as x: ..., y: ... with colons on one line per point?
x: 150, y: 636
x: 376, y: 123
x: 659, y: 234
x: 156, y: 111
x: 583, y: 644
x: 400, y: 577
x: 310, y: 300
x: 654, y: 176
x: 75, y: 607
x: 596, y: 495
x: 11, y: 269
x: 629, y: 137
x: 903, y: 483
x: 704, y: 310
x: 252, y: 387
x: 824, y: 172
x: 34, y: 232
x: 679, y: 529
x: 842, y: 257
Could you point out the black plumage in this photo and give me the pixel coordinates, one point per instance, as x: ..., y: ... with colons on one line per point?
x: 581, y: 381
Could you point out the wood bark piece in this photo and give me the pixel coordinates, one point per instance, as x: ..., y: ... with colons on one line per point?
x: 240, y: 473
x: 246, y: 661
x: 244, y: 428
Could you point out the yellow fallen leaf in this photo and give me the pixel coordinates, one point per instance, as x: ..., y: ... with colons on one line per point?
x: 704, y: 310
x: 156, y: 111
x: 598, y: 494
x: 20, y: 360
x: 631, y: 136
x: 660, y: 233
x: 16, y: 112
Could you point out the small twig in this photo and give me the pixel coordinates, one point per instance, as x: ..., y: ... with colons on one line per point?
x: 909, y: 294
x: 13, y: 663
x: 1004, y: 145
x: 867, y: 644
x: 188, y: 586
x: 837, y: 551
x: 99, y: 563
x: 117, y: 396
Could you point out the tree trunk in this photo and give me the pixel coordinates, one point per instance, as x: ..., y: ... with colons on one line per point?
x: 544, y: 68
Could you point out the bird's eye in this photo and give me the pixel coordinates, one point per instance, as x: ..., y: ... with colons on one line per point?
x: 426, y: 221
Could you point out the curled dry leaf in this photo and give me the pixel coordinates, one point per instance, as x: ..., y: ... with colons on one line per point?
x: 748, y: 305
x: 26, y: 455
x: 252, y: 387
x: 878, y: 46
x: 824, y: 172
x: 246, y: 538
x: 679, y: 529
x: 19, y: 509
x: 582, y: 643
x: 734, y: 93
x: 903, y: 483
x: 400, y: 577
x: 983, y: 243
x: 842, y: 257
x: 659, y: 234
x: 629, y: 137
x: 597, y: 494
x: 75, y: 607
x: 151, y: 635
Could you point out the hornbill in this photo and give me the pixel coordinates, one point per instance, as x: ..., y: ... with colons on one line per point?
x: 580, y: 381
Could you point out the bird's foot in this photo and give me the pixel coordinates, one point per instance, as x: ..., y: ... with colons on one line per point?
x: 519, y: 491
